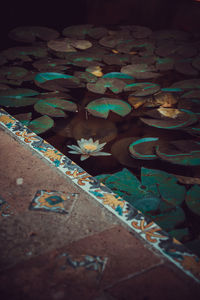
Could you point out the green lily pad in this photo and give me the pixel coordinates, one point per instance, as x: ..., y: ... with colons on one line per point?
x: 142, y: 88
x: 41, y: 124
x: 181, y: 153
x: 56, y: 81
x: 172, y: 90
x: 101, y: 85
x: 143, y: 148
x: 193, y: 199
x: 101, y: 107
x: 164, y: 185
x: 117, y: 75
x: 170, y: 118
x: 29, y: 34
x: 18, y: 97
x: 170, y: 219
x: 54, y: 107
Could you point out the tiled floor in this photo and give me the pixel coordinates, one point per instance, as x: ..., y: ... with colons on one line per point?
x: 58, y: 242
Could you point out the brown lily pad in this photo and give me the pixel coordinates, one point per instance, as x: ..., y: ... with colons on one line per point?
x: 169, y: 118
x: 69, y: 45
x: 55, y: 107
x: 24, y: 53
x: 142, y: 88
x: 29, y: 34
x: 116, y: 59
x: 140, y: 71
x: 77, y: 31
x: 165, y: 99
x: 50, y: 65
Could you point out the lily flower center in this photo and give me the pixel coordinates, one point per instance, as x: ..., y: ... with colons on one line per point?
x: 90, y: 147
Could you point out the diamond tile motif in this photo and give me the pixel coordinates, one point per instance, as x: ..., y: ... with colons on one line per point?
x: 53, y: 201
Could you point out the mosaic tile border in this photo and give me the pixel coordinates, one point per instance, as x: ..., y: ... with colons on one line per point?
x: 136, y: 221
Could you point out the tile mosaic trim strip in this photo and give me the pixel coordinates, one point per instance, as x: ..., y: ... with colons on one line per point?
x: 137, y: 222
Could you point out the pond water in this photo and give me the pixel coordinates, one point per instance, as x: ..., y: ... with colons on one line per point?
x: 121, y: 102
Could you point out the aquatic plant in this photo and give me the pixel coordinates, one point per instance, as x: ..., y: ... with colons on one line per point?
x: 87, y: 148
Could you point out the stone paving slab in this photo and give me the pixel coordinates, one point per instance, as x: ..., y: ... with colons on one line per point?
x: 162, y: 282
x: 81, y: 269
x: 34, y: 242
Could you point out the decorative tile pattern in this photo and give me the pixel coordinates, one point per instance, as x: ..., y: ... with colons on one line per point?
x: 152, y: 233
x: 88, y: 262
x: 5, y: 210
x: 53, y: 201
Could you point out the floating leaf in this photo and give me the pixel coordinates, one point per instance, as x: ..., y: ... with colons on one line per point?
x: 136, y: 102
x: 54, y: 107
x: 12, y: 73
x: 24, y: 118
x: 95, y: 70
x: 18, y: 97
x: 142, y: 88
x: 78, y: 31
x: 29, y: 34
x: 56, y: 81
x: 126, y: 185
x: 110, y: 41
x: 49, y: 65
x: 163, y: 184
x: 119, y: 59
x: 143, y: 148
x: 24, y: 53
x: 170, y: 118
x: 101, y: 107
x: 85, y: 76
x: 68, y: 45
x: 191, y: 94
x: 164, y: 64
x: 193, y: 199
x: 140, y: 32
x: 170, y: 219
x: 185, y: 67
x: 41, y: 124
x: 189, y: 104
x: 166, y: 34
x: 118, y: 75
x: 97, y: 32
x: 100, y: 87
x: 140, y: 71
x: 187, y: 84
x: 180, y: 152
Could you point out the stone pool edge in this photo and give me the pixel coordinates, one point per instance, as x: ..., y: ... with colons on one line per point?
x: 172, y: 249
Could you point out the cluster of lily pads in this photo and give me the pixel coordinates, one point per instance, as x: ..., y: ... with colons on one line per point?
x: 128, y: 88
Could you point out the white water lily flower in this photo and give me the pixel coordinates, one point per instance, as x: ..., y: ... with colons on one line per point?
x: 87, y: 148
